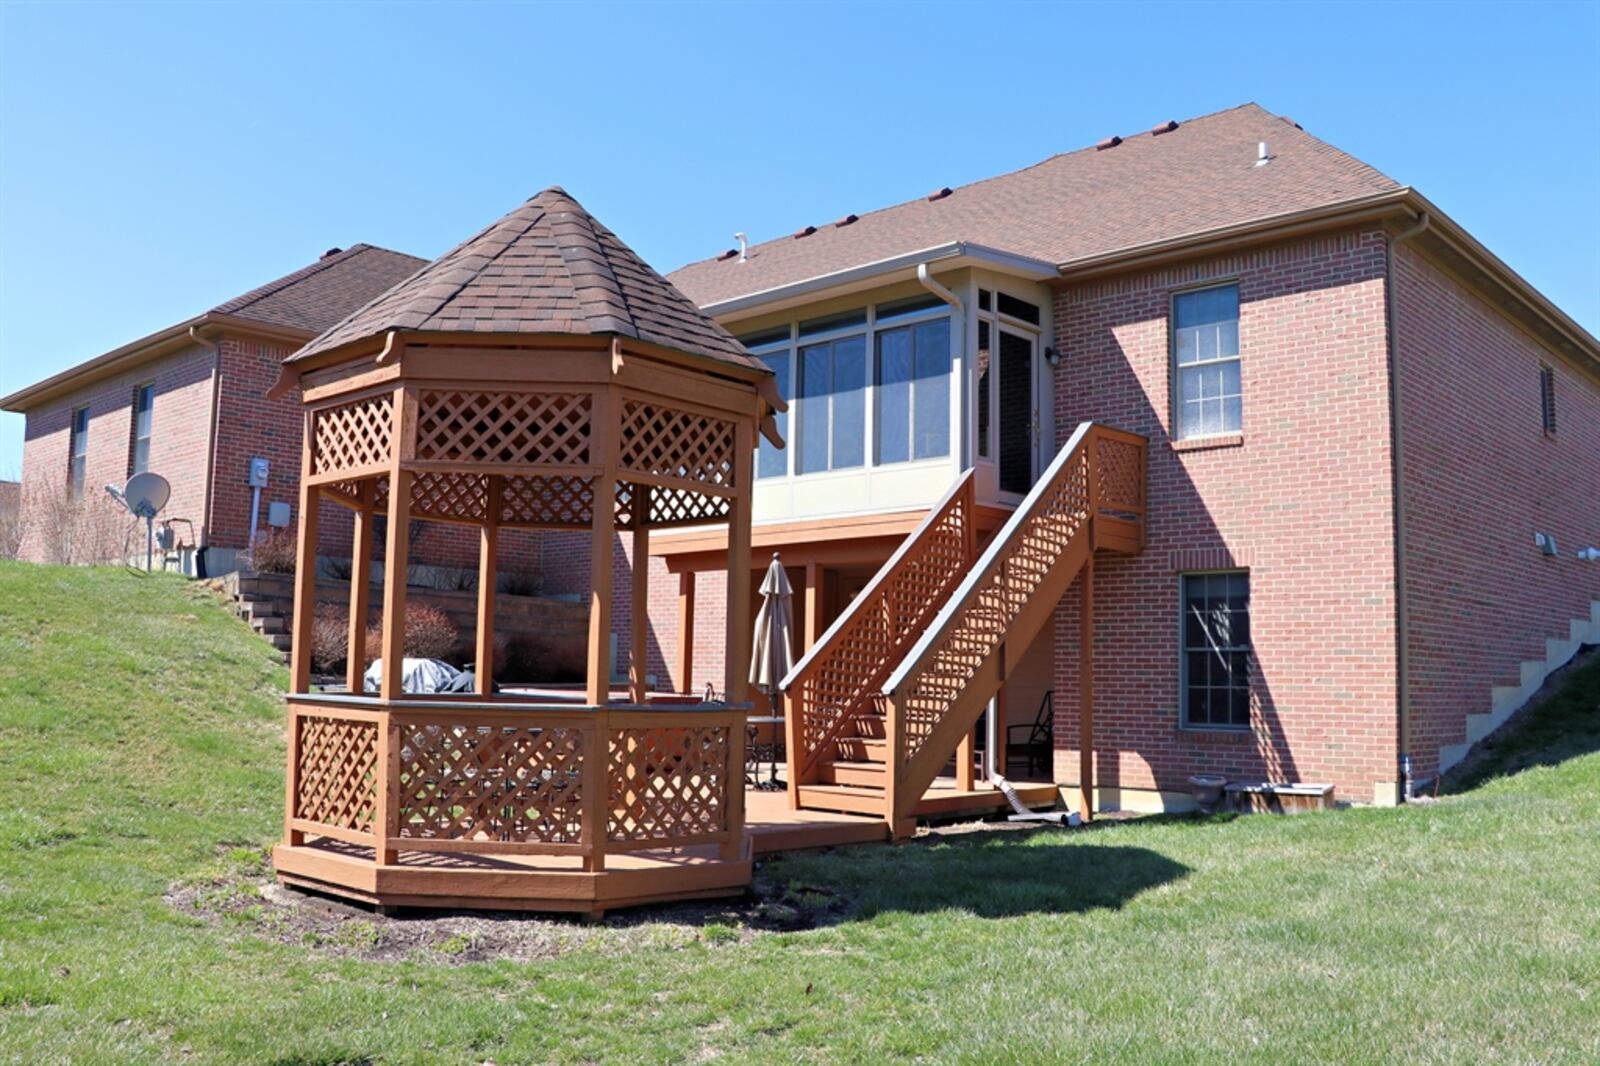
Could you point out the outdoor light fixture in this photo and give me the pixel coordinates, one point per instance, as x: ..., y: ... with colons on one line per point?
x: 1052, y: 357
x: 1546, y: 542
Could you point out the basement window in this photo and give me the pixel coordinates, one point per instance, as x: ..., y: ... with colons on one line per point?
x: 78, y: 461
x: 1547, y: 398
x: 144, y: 398
x: 1215, y: 642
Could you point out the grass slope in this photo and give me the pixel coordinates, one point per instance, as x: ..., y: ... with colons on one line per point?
x: 140, y: 746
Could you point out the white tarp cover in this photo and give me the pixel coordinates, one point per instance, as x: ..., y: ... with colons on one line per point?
x: 417, y: 676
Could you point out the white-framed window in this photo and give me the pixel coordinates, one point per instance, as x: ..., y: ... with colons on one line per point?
x: 912, y: 379
x: 1207, y: 399
x: 144, y: 398
x: 78, y: 451
x: 881, y: 371
x: 772, y: 347
x: 1214, y: 644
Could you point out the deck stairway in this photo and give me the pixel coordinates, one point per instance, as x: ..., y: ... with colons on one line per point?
x: 881, y: 702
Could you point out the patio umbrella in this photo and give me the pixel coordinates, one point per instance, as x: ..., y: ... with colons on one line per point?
x: 771, y: 655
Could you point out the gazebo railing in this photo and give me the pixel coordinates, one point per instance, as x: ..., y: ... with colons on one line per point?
x: 514, y: 778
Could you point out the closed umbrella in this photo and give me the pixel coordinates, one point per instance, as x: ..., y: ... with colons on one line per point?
x: 772, y: 654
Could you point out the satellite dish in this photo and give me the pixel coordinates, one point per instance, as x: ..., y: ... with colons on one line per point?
x: 146, y: 493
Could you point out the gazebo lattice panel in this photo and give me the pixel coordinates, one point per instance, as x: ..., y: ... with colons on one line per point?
x: 669, y: 781
x: 460, y: 497
x: 671, y: 506
x: 337, y: 773
x: 547, y: 501
x: 353, y: 435
x: 514, y: 428
x: 492, y: 783
x: 677, y: 444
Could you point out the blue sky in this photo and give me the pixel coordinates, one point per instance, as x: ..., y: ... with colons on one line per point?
x: 158, y: 159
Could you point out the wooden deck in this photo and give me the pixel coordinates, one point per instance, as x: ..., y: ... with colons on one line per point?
x: 543, y: 882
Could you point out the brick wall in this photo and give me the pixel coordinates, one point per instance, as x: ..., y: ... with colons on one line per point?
x: 1303, y: 502
x: 181, y: 415
x: 1480, y: 478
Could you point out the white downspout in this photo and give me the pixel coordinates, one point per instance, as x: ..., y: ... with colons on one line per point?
x: 958, y: 328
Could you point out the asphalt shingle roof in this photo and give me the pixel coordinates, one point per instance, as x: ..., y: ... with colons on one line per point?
x: 315, y: 297
x: 1199, y: 176
x: 546, y: 268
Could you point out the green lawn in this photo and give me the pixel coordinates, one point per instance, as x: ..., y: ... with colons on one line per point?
x: 140, y: 751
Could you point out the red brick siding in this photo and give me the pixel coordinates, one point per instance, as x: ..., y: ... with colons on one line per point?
x: 180, y: 418
x: 1480, y: 478
x: 1304, y: 503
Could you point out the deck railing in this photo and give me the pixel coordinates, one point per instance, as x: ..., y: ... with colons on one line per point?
x: 510, y: 778
x: 842, y: 675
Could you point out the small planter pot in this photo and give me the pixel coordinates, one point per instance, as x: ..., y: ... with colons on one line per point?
x: 1207, y: 789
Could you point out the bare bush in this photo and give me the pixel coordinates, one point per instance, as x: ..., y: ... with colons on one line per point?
x: 429, y: 634
x: 330, y: 638
x: 274, y: 552
x: 54, y: 526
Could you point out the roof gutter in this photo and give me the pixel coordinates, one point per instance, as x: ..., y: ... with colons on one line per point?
x: 949, y: 255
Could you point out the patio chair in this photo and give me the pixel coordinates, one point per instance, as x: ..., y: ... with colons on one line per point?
x: 1038, y: 743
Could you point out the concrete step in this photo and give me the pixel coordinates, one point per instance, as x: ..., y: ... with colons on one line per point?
x: 270, y: 623
x: 862, y: 774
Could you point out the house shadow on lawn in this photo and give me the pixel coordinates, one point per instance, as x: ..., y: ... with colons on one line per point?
x: 986, y: 874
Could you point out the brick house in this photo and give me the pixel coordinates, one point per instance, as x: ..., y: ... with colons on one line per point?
x: 1358, y: 422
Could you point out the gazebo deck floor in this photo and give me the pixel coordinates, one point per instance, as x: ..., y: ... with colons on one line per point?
x: 476, y: 881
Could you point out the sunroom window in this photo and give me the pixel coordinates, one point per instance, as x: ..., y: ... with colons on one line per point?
x: 772, y: 348
x: 913, y: 379
x: 833, y: 409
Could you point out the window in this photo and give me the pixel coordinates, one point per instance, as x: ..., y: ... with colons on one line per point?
x: 144, y: 398
x: 984, y: 375
x: 1205, y: 346
x: 771, y: 461
x: 1216, y: 650
x: 78, y: 464
x: 913, y: 392
x: 1010, y: 305
x: 832, y: 418
x: 1547, y: 398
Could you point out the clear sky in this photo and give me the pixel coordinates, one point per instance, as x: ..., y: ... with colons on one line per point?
x: 158, y: 159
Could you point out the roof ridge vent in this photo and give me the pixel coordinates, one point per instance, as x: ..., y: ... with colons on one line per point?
x: 1109, y: 142
x: 729, y: 254
x: 804, y: 231
x: 939, y: 193
x: 330, y: 253
x: 1291, y: 122
x: 845, y: 221
x: 1166, y: 127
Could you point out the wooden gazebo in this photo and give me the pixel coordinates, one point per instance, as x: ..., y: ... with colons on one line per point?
x: 539, y: 376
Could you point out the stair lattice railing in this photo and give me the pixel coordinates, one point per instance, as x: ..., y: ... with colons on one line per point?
x: 842, y: 674
x: 944, y: 679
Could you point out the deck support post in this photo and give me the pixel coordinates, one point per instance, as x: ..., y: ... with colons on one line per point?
x: 596, y: 759
x: 488, y: 563
x: 305, y: 591
x: 966, y: 776
x: 1086, y: 694
x: 686, y: 631
x: 355, y: 667
x: 639, y: 619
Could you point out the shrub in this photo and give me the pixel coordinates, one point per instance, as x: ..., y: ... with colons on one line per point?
x: 330, y: 638
x: 273, y: 553
x: 429, y: 634
x: 523, y: 583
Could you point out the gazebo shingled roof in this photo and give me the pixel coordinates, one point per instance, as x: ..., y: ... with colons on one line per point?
x: 547, y: 267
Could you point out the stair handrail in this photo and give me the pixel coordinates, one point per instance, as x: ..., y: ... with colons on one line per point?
x: 962, y: 493
x: 985, y: 570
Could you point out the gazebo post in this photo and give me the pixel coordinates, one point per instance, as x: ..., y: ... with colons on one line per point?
x: 305, y: 590
x: 488, y: 552
x: 737, y: 664
x: 608, y: 431
x: 397, y: 551
x: 639, y: 619
x: 355, y: 669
